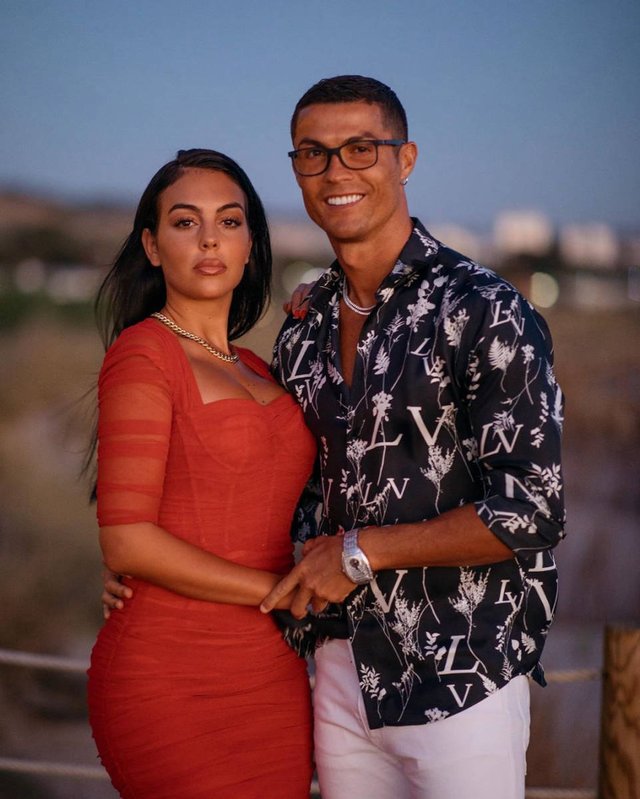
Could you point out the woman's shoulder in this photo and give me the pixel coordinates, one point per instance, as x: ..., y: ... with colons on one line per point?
x: 145, y: 340
x: 144, y: 335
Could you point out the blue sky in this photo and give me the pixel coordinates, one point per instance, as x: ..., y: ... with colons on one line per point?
x: 513, y: 104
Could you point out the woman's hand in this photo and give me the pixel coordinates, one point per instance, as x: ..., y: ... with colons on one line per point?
x: 114, y: 592
x: 298, y: 305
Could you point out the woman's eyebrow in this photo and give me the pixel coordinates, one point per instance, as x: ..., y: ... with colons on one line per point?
x: 195, y: 208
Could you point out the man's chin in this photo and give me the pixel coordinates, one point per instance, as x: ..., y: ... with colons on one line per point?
x: 344, y: 232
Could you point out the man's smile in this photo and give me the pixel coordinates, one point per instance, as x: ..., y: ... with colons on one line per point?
x: 344, y: 199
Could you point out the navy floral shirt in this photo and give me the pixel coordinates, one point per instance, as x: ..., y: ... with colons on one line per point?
x: 453, y: 401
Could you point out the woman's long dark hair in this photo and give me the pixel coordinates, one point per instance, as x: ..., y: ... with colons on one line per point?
x: 134, y: 288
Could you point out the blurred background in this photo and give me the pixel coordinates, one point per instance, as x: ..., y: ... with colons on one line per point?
x: 526, y: 116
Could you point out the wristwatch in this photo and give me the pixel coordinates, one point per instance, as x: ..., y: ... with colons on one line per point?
x: 355, y: 563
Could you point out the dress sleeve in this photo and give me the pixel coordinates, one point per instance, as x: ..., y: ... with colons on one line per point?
x: 516, y: 412
x: 134, y: 426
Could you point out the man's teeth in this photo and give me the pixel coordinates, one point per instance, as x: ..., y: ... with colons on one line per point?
x: 345, y: 199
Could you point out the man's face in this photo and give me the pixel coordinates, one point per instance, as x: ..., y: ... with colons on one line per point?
x: 353, y: 205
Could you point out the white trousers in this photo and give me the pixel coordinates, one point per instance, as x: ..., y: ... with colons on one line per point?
x: 478, y: 753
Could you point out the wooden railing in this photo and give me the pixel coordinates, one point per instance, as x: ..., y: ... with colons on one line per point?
x: 619, y: 766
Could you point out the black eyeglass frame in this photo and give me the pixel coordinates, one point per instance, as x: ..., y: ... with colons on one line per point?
x: 331, y: 151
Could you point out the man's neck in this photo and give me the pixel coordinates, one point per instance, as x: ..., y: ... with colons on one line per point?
x: 367, y: 263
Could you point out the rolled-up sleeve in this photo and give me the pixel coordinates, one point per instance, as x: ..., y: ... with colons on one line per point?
x: 516, y: 410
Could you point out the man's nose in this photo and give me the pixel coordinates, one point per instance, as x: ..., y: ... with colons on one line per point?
x: 335, y: 167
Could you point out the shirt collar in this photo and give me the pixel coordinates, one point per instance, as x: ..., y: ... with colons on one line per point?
x: 418, y: 255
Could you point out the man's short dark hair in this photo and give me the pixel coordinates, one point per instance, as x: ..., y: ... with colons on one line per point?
x: 353, y: 89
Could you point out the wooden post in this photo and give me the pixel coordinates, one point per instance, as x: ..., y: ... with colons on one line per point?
x: 620, y: 734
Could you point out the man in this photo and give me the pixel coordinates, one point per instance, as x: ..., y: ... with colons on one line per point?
x: 427, y: 381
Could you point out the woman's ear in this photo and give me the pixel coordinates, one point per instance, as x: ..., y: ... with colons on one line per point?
x: 150, y: 247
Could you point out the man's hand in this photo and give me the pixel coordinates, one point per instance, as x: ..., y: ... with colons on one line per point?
x: 113, y: 593
x: 316, y: 580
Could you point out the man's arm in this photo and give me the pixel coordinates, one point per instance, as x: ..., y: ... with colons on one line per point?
x: 510, y: 387
x: 455, y: 538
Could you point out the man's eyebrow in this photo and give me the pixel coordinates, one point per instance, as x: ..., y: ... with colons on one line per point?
x: 196, y: 209
x: 316, y: 143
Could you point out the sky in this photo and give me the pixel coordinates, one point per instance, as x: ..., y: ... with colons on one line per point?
x: 513, y: 104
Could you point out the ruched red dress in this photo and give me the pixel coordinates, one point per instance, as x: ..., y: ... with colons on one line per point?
x: 191, y: 699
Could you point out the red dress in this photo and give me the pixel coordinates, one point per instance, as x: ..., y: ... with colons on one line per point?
x: 191, y: 699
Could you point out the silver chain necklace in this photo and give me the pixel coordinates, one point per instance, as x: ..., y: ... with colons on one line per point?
x: 233, y: 358
x: 359, y: 309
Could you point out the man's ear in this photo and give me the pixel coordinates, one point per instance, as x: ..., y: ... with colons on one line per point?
x: 408, y: 158
x: 150, y: 247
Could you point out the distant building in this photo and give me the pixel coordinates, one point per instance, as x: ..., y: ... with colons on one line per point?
x: 594, y: 246
x: 630, y: 250
x: 61, y: 250
x: 522, y: 233
x: 599, y: 290
x: 463, y: 240
x: 291, y: 238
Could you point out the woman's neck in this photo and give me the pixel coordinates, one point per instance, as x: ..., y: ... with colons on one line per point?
x: 208, y: 320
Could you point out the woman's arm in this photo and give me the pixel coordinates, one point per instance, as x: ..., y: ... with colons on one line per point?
x: 148, y: 552
x: 134, y: 430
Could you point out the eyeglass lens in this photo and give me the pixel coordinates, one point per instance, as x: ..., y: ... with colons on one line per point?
x: 353, y: 155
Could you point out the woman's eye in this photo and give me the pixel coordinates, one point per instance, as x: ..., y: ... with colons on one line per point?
x: 184, y: 223
x: 231, y: 222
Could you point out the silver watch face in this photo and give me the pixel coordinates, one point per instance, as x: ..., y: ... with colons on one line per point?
x: 354, y: 562
x: 356, y: 569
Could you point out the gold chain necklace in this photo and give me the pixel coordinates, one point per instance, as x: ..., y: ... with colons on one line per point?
x: 233, y: 358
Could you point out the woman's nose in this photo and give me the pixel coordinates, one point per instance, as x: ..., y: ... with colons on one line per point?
x: 209, y: 239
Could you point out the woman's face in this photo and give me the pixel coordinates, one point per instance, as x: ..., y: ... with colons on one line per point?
x: 202, y: 241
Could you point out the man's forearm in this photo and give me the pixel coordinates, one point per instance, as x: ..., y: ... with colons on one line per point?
x: 455, y: 538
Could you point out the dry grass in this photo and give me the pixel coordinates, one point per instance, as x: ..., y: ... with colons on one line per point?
x: 598, y: 365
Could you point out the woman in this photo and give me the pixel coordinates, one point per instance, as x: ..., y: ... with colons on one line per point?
x: 193, y: 694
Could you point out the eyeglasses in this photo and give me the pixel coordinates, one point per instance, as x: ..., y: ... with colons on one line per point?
x: 359, y: 154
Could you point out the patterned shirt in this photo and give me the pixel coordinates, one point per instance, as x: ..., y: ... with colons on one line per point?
x: 453, y: 401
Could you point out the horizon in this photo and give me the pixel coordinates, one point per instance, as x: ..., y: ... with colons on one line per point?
x: 513, y: 106
x: 106, y: 202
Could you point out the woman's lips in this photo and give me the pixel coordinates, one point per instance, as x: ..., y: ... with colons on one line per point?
x: 210, y: 266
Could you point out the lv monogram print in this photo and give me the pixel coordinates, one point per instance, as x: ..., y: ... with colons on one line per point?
x: 453, y: 401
